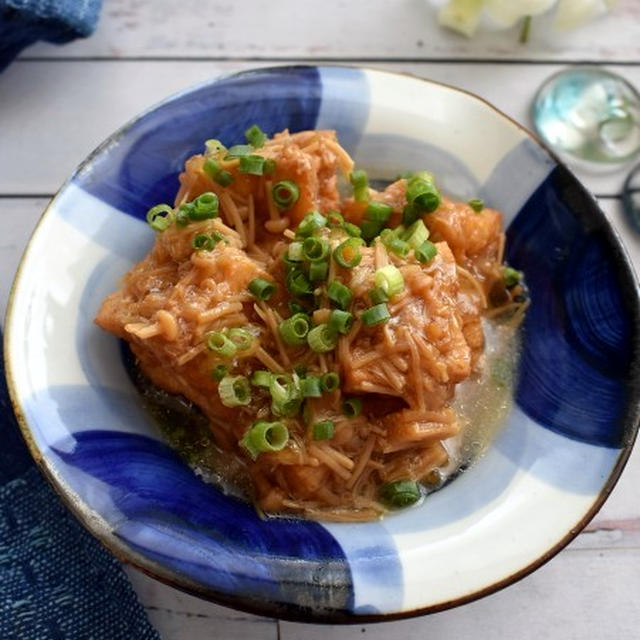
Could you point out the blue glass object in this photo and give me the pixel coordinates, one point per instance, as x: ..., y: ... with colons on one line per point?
x: 589, y: 116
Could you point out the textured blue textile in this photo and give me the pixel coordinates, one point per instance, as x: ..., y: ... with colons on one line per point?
x: 56, y: 581
x: 23, y: 22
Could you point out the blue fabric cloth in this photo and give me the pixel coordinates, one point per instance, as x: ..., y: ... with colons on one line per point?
x: 23, y: 22
x: 57, y: 582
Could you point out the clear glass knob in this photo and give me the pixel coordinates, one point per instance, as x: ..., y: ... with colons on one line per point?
x: 589, y: 116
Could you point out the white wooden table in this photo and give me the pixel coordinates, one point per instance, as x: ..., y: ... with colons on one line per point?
x: 57, y: 104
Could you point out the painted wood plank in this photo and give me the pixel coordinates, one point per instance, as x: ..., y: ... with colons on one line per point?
x: 335, y: 28
x: 179, y: 616
x: 579, y: 594
x: 62, y: 110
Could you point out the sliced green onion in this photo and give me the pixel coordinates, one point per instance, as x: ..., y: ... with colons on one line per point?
x: 234, y: 391
x: 330, y: 382
x: 393, y: 242
x: 298, y: 284
x: 348, y: 253
x: 296, y: 307
x: 264, y: 437
x: 213, y: 146
x: 285, y: 193
x: 294, y: 330
x: 160, y: 217
x: 220, y: 344
x: 213, y: 169
x: 323, y: 430
x: 242, y: 338
x: 422, y: 194
x: 352, y: 407
x: 203, y: 242
x: 426, y: 251
x: 255, y: 136
x: 238, y: 151
x: 252, y: 164
x: 295, y: 252
x: 390, y: 280
x: 218, y: 237
x: 378, y: 212
x: 318, y: 271
x: 204, y: 207
x: 378, y: 295
x: 182, y: 215
x: 341, y: 321
x: 311, y: 387
x: 334, y: 219
x: 476, y: 204
x: 261, y: 378
x: 300, y: 370
x: 261, y: 289
x: 352, y: 229
x: 315, y: 249
x: 360, y: 183
x: 286, y: 396
x: 377, y: 314
x: 409, y: 215
x: 313, y: 221
x: 219, y: 372
x: 401, y: 493
x: 269, y: 166
x: 511, y: 277
x: 322, y: 338
x: 339, y: 294
x: 416, y: 234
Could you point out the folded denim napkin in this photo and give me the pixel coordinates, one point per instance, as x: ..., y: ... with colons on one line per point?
x: 23, y: 22
x: 57, y: 582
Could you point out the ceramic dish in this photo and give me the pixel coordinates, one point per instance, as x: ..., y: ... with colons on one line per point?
x: 551, y: 467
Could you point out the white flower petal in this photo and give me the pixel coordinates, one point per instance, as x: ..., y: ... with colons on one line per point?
x: 508, y: 12
x: 574, y: 13
x: 461, y: 15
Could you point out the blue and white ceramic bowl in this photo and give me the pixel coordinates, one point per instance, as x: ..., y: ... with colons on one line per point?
x: 561, y: 450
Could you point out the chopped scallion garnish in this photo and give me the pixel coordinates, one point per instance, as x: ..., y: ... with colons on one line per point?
x: 285, y: 194
x: 255, y: 136
x: 264, y: 437
x: 261, y: 289
x: 360, y: 183
x: 476, y: 204
x: 160, y: 217
x: 219, y: 372
x: 315, y: 249
x: 323, y: 430
x: 334, y: 219
x: 511, y: 277
x: 242, y: 338
x: 416, y: 234
x: 390, y: 280
x: 401, y: 493
x: 212, y: 168
x: 238, y: 151
x: 234, y: 391
x: 294, y: 330
x: 252, y: 164
x: 378, y: 295
x: 339, y: 294
x: 422, y: 193
x: 298, y: 284
x: 220, y: 344
x: 377, y: 314
x: 204, y: 207
x: 426, y: 251
x: 261, y: 378
x: 203, y: 242
x: 295, y: 252
x: 330, y: 382
x: 318, y: 271
x: 348, y: 254
x: 322, y: 338
x: 313, y: 221
x: 311, y: 387
x: 352, y: 229
x: 341, y: 321
x: 352, y: 407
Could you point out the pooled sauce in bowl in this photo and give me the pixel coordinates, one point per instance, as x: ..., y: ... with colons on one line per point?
x: 330, y: 350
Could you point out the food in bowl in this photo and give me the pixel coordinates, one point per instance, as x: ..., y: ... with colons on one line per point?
x: 350, y: 348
